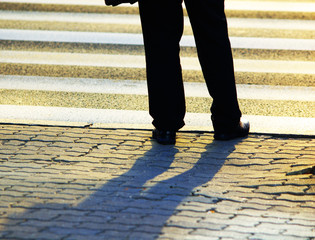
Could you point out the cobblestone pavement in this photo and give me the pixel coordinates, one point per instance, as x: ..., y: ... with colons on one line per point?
x: 86, y: 183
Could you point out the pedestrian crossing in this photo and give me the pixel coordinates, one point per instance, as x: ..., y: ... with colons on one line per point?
x: 111, y: 86
x: 136, y: 39
x: 136, y: 61
x: 85, y: 63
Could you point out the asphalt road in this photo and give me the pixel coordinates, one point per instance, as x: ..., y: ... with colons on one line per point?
x: 84, y: 44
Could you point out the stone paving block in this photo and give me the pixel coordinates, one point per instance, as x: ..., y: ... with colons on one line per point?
x: 290, y: 229
x: 291, y: 197
x: 304, y: 210
x: 176, y: 186
x: 12, y: 193
x: 220, y: 234
x: 78, y: 217
x: 45, y: 224
x: 40, y: 215
x: 148, y: 229
x: 69, y: 231
x: 112, y: 235
x: 8, y: 150
x: 189, y: 237
x: 132, y: 221
x: 301, y: 231
x: 188, y: 219
x: 68, y: 145
x: 143, y: 235
x: 19, y: 136
x: 259, y: 236
x: 14, y: 143
x: 106, y: 216
x: 244, y: 220
x: 6, y: 131
x: 198, y: 225
x: 158, y: 212
x: 301, y: 164
x: 278, y: 190
x: 25, y: 229
x: 196, y: 207
x: 309, y: 150
x: 34, y: 235
x: 272, y: 203
x: 302, y: 222
x: 34, y: 157
x: 308, y: 206
x: 95, y: 237
x: 169, y: 231
x: 257, y: 229
x: 287, y: 215
x: 105, y: 226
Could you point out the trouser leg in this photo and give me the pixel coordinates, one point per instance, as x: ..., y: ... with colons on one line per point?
x: 162, y: 27
x: 209, y: 25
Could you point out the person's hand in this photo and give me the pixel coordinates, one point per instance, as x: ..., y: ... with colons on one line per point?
x: 117, y: 2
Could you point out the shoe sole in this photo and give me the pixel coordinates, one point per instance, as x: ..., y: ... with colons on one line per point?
x: 163, y: 141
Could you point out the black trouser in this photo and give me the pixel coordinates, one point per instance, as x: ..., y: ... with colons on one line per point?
x: 162, y: 26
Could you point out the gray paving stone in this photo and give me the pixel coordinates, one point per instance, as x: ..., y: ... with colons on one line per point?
x: 177, y: 232
x: 238, y: 220
x: 292, y: 197
x: 300, y: 231
x: 35, y: 235
x: 69, y: 231
x: 291, y: 229
x: 143, y: 235
x: 44, y: 224
x: 95, y: 237
x: 259, y: 236
x: 301, y: 222
x: 220, y: 234
x: 189, y: 237
x: 257, y: 229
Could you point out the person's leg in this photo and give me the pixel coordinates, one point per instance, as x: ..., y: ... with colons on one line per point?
x: 162, y: 27
x: 209, y: 25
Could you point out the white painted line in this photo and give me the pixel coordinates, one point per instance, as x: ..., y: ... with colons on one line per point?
x: 136, y: 61
x: 68, y: 2
x: 71, y: 17
x: 135, y: 20
x: 265, y: 92
x: 137, y: 39
x: 280, y: 24
x: 260, y: 124
x: 108, y: 86
x: 72, y: 37
x: 229, y: 5
x: 270, y: 6
x: 273, y: 66
x: 262, y: 43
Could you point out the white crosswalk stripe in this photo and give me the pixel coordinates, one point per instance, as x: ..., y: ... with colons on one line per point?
x: 135, y: 20
x: 136, y: 39
x: 110, y: 86
x: 229, y: 4
x: 128, y: 61
x: 34, y: 64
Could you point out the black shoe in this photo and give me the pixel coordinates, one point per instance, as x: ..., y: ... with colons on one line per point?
x: 241, y: 130
x: 164, y: 137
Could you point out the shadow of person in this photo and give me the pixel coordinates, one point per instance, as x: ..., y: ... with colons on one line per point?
x: 145, y: 197
x: 138, y: 203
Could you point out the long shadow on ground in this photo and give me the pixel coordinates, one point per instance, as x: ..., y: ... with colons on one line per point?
x: 134, y: 205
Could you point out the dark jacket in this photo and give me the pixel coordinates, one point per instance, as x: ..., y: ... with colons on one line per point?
x: 117, y: 2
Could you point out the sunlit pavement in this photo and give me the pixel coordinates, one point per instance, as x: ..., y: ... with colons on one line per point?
x: 96, y: 183
x: 77, y: 158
